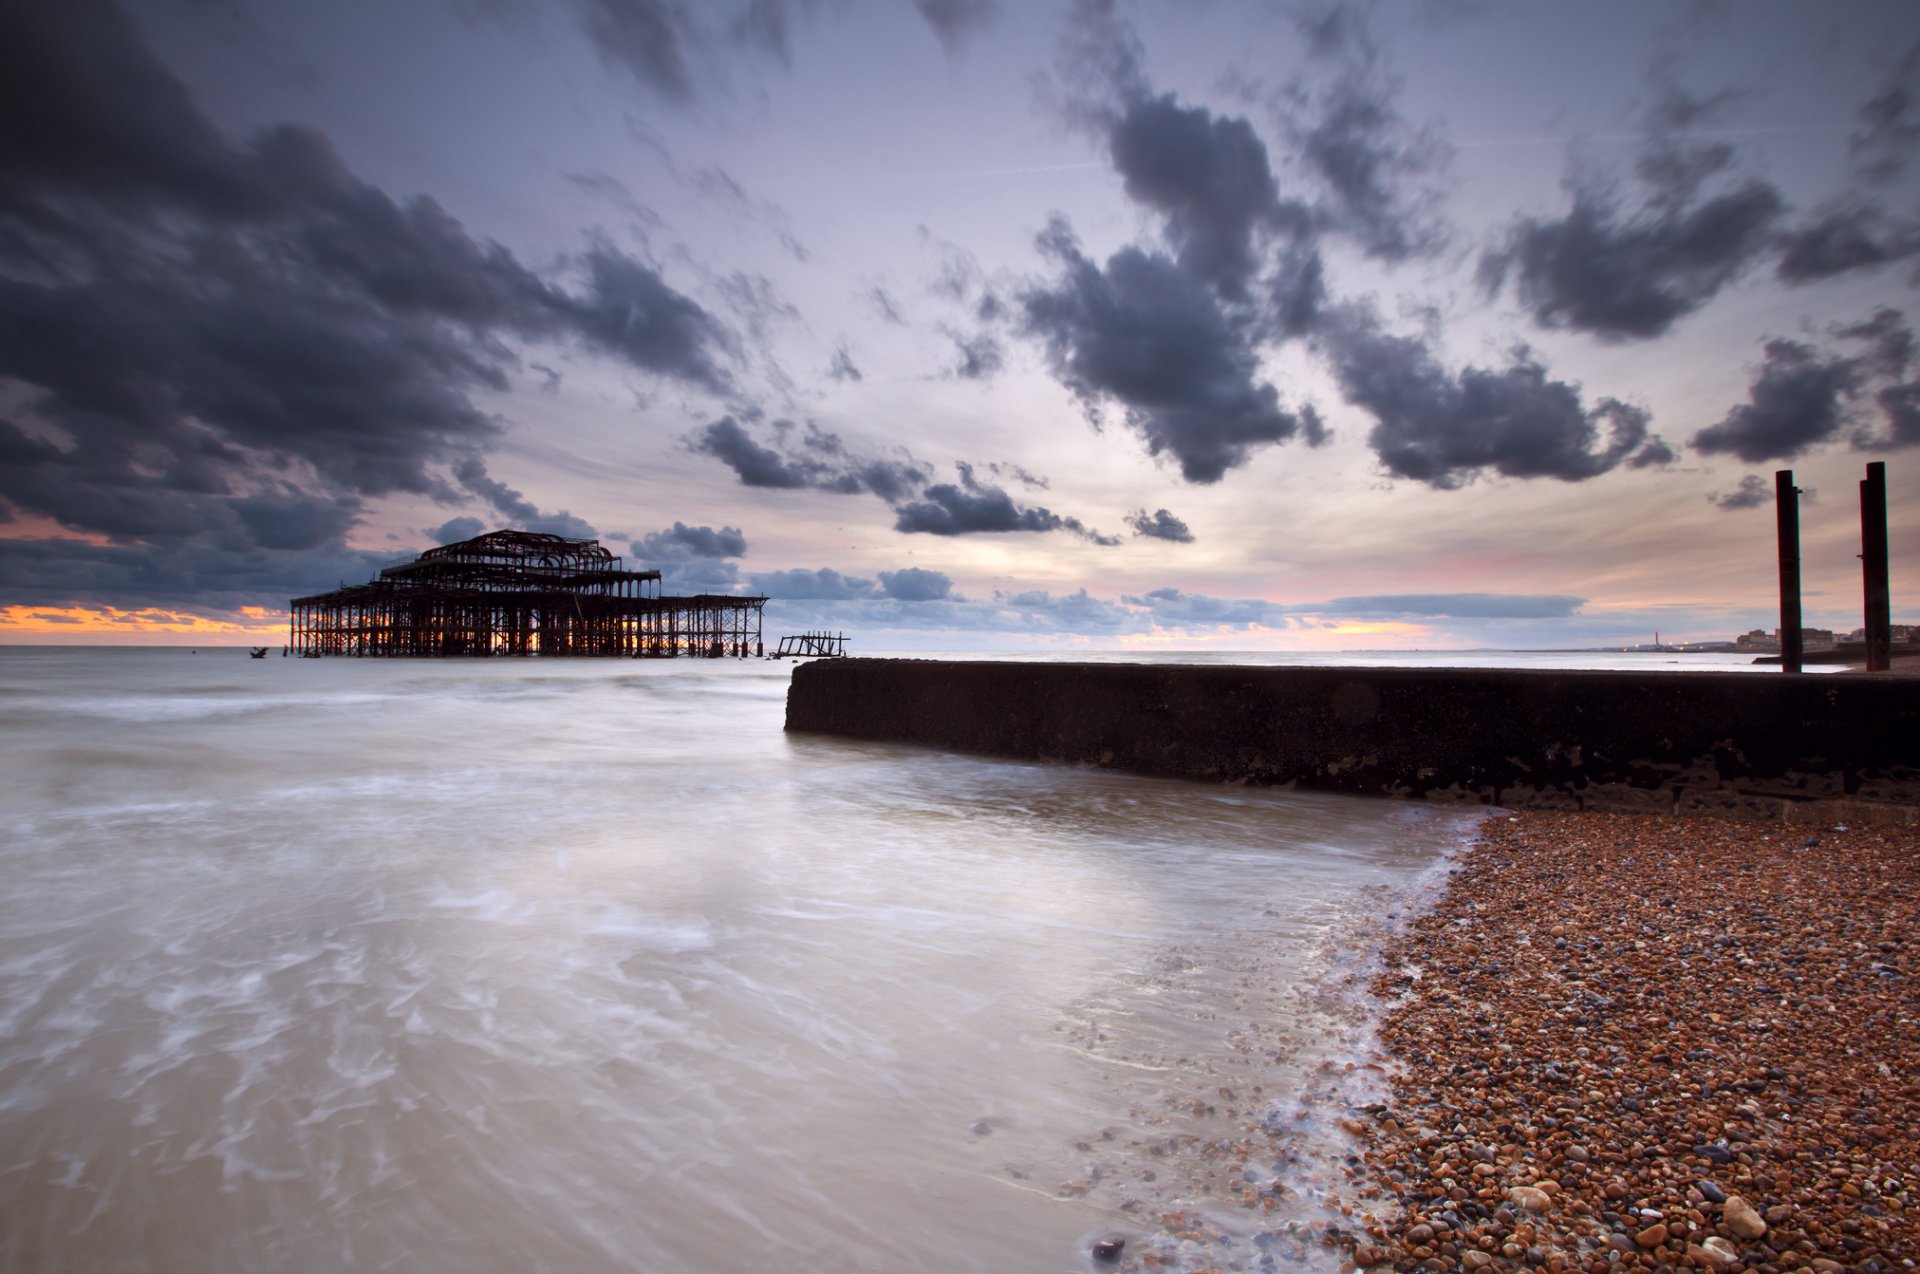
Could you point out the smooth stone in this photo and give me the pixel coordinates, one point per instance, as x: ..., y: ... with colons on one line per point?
x: 1739, y: 1217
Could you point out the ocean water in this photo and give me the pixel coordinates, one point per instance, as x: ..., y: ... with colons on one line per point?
x: 586, y: 965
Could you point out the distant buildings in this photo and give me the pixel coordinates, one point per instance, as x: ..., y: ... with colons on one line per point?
x: 1821, y: 638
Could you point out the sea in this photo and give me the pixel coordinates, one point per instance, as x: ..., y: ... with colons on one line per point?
x: 575, y: 966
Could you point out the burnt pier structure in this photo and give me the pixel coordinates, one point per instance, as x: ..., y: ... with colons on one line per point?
x: 521, y: 593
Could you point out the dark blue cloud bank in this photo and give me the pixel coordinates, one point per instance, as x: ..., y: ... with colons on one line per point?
x: 225, y: 346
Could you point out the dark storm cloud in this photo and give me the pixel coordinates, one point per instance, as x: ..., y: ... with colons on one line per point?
x: 1210, y: 180
x: 1144, y: 332
x: 1753, y: 492
x: 1377, y: 170
x: 63, y: 572
x: 807, y: 458
x: 1888, y: 364
x: 1445, y: 429
x: 972, y: 507
x: 1623, y: 270
x: 914, y: 584
x: 518, y: 512
x: 1630, y: 275
x: 1797, y: 401
x: 235, y: 343
x: 680, y: 543
x: 1842, y: 240
x: 956, y: 22
x: 1803, y: 396
x: 1159, y: 525
x: 791, y: 457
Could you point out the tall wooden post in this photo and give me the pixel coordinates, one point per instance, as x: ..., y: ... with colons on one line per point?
x: 1787, y: 510
x: 1873, y: 566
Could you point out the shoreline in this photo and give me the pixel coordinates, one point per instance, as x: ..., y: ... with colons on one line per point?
x: 1624, y: 1041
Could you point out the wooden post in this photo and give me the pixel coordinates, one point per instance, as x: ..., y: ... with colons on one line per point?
x: 1873, y: 566
x: 1787, y: 511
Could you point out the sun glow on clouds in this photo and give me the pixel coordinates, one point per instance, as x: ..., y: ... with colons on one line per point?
x: 108, y: 625
x: 1305, y: 634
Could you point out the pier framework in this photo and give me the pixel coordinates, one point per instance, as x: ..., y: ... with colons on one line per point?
x: 521, y: 593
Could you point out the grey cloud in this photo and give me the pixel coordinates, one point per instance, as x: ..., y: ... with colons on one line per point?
x: 520, y: 512
x: 825, y: 584
x: 699, y: 575
x: 1144, y: 332
x: 472, y: 474
x: 842, y: 367
x: 1173, y: 608
x: 1209, y: 178
x: 1445, y: 429
x: 1376, y: 168
x: 1889, y: 129
x: 1796, y: 401
x: 1628, y: 276
x: 1160, y: 525
x: 1075, y: 612
x: 652, y: 40
x: 914, y: 584
x: 1843, y: 240
x: 237, y: 342
x: 178, y: 574
x: 956, y: 22
x: 1752, y: 493
x: 1625, y: 273
x: 453, y: 530
x: 289, y: 520
x: 1802, y: 396
x: 1020, y: 474
x: 971, y: 507
x: 885, y: 306
x: 683, y: 543
x: 981, y: 355
x: 792, y: 457
x: 809, y: 458
x: 757, y: 302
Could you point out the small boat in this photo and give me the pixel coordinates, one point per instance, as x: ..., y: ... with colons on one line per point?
x: 257, y: 652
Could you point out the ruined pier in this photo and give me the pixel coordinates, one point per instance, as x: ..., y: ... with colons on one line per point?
x: 521, y: 593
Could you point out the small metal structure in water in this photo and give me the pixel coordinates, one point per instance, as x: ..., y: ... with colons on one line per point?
x: 812, y: 646
x: 521, y: 593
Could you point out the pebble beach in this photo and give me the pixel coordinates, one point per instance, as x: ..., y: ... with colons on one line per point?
x: 1606, y: 1043
x: 1642, y: 1042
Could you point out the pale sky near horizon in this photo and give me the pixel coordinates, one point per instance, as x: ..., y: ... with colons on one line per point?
x: 961, y: 322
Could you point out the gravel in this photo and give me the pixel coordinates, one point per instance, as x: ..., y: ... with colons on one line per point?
x: 1641, y: 1042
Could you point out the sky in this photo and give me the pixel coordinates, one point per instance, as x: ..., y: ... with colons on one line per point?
x: 960, y: 324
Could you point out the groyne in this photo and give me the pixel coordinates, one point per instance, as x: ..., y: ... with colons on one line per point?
x: 1714, y: 743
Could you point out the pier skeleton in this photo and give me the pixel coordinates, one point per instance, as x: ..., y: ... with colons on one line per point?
x: 521, y: 593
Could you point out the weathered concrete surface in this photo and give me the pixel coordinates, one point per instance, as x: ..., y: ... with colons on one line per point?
x: 1679, y: 742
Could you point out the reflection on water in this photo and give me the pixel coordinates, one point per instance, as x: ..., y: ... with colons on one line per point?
x: 517, y: 966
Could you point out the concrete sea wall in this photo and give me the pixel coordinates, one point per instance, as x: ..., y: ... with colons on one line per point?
x: 1727, y: 743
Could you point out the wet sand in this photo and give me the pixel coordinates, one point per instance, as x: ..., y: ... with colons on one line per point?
x: 1625, y: 1041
